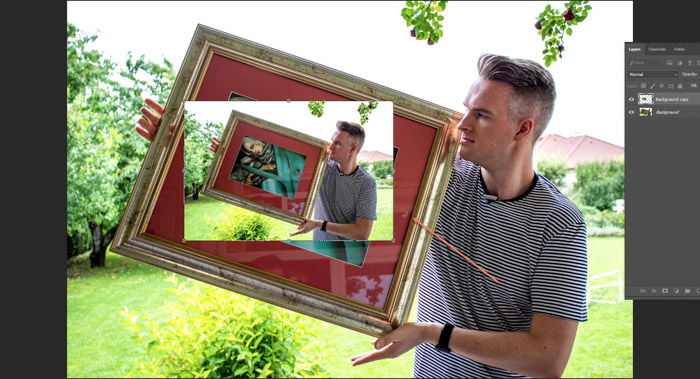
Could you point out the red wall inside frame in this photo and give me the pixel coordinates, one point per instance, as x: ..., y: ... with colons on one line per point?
x: 412, y: 139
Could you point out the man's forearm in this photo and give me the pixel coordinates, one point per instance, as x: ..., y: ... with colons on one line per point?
x: 519, y: 352
x: 351, y: 231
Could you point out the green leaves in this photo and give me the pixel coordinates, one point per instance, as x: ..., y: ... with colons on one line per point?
x: 198, y: 157
x: 195, y: 339
x: 104, y: 152
x: 316, y: 107
x: 424, y: 19
x: 552, y: 169
x: 365, y: 109
x: 600, y: 183
x: 554, y: 23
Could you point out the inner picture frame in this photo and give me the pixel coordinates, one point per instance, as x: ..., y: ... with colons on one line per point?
x: 373, y: 298
x: 266, y: 168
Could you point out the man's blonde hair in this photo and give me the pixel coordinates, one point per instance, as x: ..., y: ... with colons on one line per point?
x: 533, y: 88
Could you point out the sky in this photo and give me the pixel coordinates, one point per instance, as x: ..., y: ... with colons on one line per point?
x: 370, y: 40
x: 296, y: 115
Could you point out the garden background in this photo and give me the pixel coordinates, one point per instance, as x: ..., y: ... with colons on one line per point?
x: 106, y: 87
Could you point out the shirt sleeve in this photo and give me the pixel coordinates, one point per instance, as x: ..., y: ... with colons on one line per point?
x: 367, y: 201
x: 560, y: 277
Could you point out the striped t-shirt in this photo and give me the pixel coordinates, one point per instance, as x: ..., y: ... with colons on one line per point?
x: 535, y: 245
x: 342, y: 198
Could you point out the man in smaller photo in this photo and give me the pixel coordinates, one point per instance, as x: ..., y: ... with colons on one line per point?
x: 346, y: 206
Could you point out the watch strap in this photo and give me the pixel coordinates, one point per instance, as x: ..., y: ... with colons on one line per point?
x: 323, y: 227
x: 444, y: 341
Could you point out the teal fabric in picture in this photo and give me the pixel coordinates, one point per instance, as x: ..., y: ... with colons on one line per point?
x: 352, y: 252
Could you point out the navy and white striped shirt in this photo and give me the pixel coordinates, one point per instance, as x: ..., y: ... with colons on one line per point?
x: 342, y: 198
x: 535, y: 245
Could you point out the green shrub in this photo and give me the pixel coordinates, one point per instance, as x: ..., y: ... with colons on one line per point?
x: 238, y: 224
x: 383, y: 169
x: 379, y: 169
x: 612, y: 218
x: 384, y: 183
x: 213, y: 333
x: 606, y: 219
x: 78, y: 241
x: 608, y: 231
x: 599, y: 194
x: 365, y: 165
x: 554, y: 170
x: 601, y: 223
x: 586, y: 210
x: 601, y: 183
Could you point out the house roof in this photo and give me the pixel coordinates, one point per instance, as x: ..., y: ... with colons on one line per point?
x: 372, y: 156
x: 575, y: 150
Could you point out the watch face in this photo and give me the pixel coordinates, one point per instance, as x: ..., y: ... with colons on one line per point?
x: 443, y: 349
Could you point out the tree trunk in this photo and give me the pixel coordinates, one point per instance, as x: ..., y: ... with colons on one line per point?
x: 195, y: 191
x: 97, y: 256
x: 99, y: 244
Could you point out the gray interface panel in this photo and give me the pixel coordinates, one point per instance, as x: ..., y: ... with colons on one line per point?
x: 662, y: 80
x: 662, y: 231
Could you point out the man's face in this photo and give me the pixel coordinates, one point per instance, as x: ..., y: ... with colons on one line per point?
x: 488, y: 133
x: 341, y: 147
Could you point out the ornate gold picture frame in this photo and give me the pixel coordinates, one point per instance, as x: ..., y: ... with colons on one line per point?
x: 372, y: 298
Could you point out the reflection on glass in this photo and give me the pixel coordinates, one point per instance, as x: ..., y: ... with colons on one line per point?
x: 268, y: 167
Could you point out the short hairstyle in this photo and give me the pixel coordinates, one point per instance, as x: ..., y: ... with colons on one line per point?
x: 533, y: 88
x: 355, y: 131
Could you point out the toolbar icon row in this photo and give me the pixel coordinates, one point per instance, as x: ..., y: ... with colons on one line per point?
x: 680, y: 291
x: 683, y: 62
x: 664, y: 85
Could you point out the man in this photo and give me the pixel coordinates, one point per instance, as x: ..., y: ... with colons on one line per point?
x: 347, y: 203
x: 346, y: 206
x: 513, y: 223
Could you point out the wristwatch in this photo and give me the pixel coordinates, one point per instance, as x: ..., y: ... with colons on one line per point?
x: 444, y: 342
x: 323, y: 227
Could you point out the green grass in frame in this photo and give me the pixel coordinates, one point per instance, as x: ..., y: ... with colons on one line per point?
x: 197, y: 229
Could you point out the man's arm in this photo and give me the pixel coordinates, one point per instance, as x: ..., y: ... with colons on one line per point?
x: 359, y: 231
x: 541, y: 352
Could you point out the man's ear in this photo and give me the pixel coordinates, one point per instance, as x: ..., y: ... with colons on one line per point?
x: 355, y: 146
x: 526, y: 128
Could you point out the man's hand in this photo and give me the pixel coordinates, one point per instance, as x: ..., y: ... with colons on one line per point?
x: 543, y: 351
x: 394, y: 344
x: 148, y: 126
x: 306, y: 227
x: 214, y: 144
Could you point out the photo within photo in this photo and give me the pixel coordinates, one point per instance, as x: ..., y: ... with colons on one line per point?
x: 268, y: 167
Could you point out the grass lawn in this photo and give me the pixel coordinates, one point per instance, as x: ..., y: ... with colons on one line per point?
x: 99, y: 346
x: 603, y: 347
x: 197, y: 229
